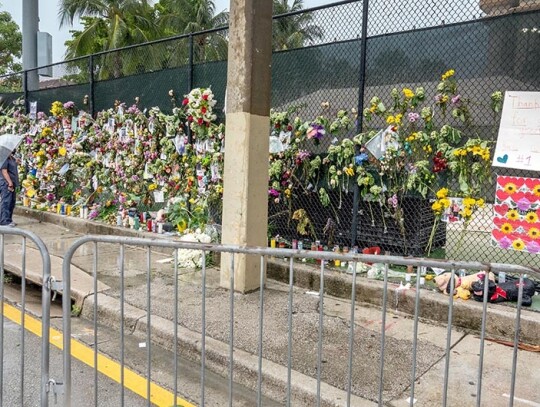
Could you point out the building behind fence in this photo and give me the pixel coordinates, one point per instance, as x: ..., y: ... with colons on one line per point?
x: 494, y: 45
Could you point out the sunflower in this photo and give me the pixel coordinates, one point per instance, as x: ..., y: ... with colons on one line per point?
x: 510, y: 188
x: 507, y: 228
x: 518, y: 244
x: 534, y: 233
x: 531, y: 217
x: 536, y: 190
x: 512, y: 214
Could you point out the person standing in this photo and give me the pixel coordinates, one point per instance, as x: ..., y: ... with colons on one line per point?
x: 8, y: 183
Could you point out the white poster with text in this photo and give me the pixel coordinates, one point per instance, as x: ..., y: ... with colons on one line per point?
x: 518, y: 142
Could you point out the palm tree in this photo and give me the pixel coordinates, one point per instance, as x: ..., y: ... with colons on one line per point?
x: 293, y: 31
x: 191, y: 16
x: 107, y: 25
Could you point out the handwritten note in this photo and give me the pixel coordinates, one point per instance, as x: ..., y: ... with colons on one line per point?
x: 518, y: 143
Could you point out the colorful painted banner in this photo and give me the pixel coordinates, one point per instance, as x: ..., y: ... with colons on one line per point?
x: 516, y: 214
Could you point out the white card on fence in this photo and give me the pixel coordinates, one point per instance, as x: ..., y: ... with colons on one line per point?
x: 64, y: 169
x: 33, y: 110
x: 146, y: 173
x: 159, y: 196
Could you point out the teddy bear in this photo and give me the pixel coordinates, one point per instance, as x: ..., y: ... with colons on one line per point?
x: 462, y: 285
x: 507, y: 291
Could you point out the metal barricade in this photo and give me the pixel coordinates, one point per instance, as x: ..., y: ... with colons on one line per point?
x: 21, y: 318
x: 287, y: 380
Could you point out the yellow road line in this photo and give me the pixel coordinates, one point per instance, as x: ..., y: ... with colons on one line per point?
x: 132, y: 381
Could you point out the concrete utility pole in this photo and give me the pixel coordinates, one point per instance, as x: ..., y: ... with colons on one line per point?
x: 30, y: 28
x: 245, y: 200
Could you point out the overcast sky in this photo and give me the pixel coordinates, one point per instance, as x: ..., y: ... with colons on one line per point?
x: 48, y: 19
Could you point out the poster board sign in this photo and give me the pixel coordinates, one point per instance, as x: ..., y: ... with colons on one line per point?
x: 516, y: 214
x: 518, y: 142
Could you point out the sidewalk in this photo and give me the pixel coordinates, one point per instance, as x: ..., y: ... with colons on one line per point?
x: 336, y: 322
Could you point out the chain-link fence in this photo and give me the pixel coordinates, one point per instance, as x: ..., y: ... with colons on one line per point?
x: 318, y: 70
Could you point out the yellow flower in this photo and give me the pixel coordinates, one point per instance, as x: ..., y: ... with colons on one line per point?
x: 442, y: 193
x: 46, y: 131
x: 480, y: 203
x: 30, y: 192
x: 534, y: 233
x: 445, y: 202
x: 408, y: 93
x: 518, y: 244
x: 536, y: 190
x: 398, y: 118
x: 62, y: 151
x: 457, y: 152
x: 531, y: 217
x: 57, y: 108
x: 448, y: 74
x: 151, y: 187
x: 192, y: 200
x: 181, y: 226
x: 468, y: 202
x: 390, y: 120
x: 476, y: 150
x: 466, y: 213
x: 512, y: 214
x: 507, y: 228
x: 349, y: 171
x: 510, y: 188
x: 287, y: 193
x: 437, y: 207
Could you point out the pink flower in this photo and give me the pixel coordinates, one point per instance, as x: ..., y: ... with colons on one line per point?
x: 413, y: 116
x: 505, y: 242
x: 533, y: 247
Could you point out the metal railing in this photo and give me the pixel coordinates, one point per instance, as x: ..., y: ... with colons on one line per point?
x: 45, y: 319
x: 287, y: 382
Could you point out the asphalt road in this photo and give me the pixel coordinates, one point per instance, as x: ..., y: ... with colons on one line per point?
x: 83, y: 377
x: 108, y: 390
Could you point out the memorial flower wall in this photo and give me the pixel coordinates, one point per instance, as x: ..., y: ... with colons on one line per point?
x: 123, y: 158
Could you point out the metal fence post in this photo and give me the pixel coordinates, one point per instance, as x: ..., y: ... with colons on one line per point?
x: 359, y: 120
x: 91, y: 85
x: 190, y: 80
x: 25, y: 90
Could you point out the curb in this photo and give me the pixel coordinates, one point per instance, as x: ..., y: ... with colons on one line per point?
x: 500, y: 322
x: 274, y: 376
x: 87, y: 227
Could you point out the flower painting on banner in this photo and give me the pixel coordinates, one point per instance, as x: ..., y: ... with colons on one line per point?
x: 516, y: 222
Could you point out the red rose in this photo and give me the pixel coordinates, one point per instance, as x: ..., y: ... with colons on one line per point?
x: 185, y: 101
x: 190, y: 118
x: 205, y: 97
x: 200, y: 120
x: 203, y: 110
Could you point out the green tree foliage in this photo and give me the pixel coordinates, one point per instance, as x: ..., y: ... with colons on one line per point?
x: 190, y: 16
x: 108, y: 25
x: 10, y: 52
x: 293, y: 31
